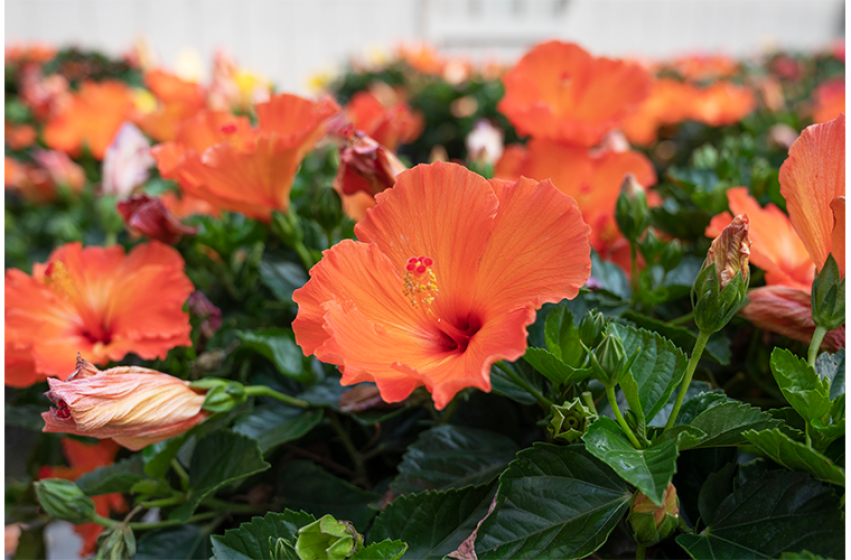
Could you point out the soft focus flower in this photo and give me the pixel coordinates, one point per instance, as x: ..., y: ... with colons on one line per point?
x: 177, y: 101
x: 19, y: 136
x: 421, y: 57
x: 235, y: 89
x: 787, y: 311
x: 223, y: 160
x: 37, y: 53
x: 446, y: 276
x: 11, y: 536
x: 134, y: 406
x: 777, y: 249
x: 90, y: 118
x: 810, y: 179
x: 210, y: 315
x: 84, y: 458
x: 97, y: 301
x: 366, y: 166
x: 701, y: 67
x: 722, y: 103
x: 142, y: 54
x: 593, y: 180
x: 558, y: 91
x: 60, y: 169
x: 829, y: 100
x: 127, y: 161
x: 147, y: 215
x: 37, y: 182
x: 670, y: 102
x: 485, y: 142
x: 390, y: 126
x: 186, y: 205
x: 44, y: 96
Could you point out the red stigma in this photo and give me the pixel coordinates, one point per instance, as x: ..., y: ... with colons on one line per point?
x: 228, y: 128
x: 411, y: 266
x: 49, y: 270
x: 61, y: 410
x: 427, y: 261
x: 421, y: 269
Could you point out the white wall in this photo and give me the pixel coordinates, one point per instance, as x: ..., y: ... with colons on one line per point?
x: 289, y: 39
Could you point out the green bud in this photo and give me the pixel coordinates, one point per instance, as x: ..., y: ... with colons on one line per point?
x: 651, y: 523
x: 328, y: 209
x: 222, y: 394
x: 327, y: 539
x: 672, y: 255
x: 631, y: 210
x: 650, y: 246
x: 116, y: 543
x: 609, y: 360
x: 591, y: 328
x: 110, y: 219
x: 722, y: 284
x: 828, y: 296
x: 64, y: 499
x: 570, y: 421
x: 287, y: 227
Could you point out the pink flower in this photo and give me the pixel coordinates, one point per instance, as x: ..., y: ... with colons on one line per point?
x: 127, y: 161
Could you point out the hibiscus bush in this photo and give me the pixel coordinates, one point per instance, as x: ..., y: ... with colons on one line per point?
x: 570, y: 307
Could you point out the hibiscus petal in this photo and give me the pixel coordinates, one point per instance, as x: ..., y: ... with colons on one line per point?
x: 812, y: 176
x: 838, y: 233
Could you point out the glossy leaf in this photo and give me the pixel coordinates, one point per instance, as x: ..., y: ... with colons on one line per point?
x: 795, y: 456
x: 276, y: 424
x: 384, y: 550
x: 806, y: 391
x: 832, y: 368
x: 282, y: 277
x: 251, y: 541
x: 723, y: 420
x: 551, y: 367
x: 185, y: 542
x: 278, y: 346
x: 118, y: 477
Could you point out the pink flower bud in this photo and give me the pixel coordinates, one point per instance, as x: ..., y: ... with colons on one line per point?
x: 134, y: 406
x: 150, y: 217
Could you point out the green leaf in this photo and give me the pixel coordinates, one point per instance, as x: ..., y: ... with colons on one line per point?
x: 804, y: 555
x: 186, y: 542
x: 433, y: 524
x: 774, y: 512
x: 384, y: 550
x: 718, y: 347
x: 650, y: 470
x: 278, y: 346
x: 696, y: 388
x: 723, y: 420
x: 562, y: 336
x: 282, y: 277
x: 806, y: 391
x: 657, y: 370
x: 118, y: 477
x: 795, y: 456
x: 832, y: 368
x: 452, y: 457
x: 610, y: 276
x: 553, y: 502
x: 276, y: 424
x: 504, y: 385
x: 305, y: 486
x: 25, y: 416
x: 251, y: 541
x: 553, y: 368
x: 219, y: 459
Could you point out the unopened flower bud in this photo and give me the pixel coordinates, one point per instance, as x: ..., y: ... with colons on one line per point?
x: 134, y: 406
x: 721, y: 286
x: 631, y: 211
x: 366, y: 165
x: 570, y: 421
x: 651, y: 523
x: 828, y: 296
x: 287, y: 227
x: 650, y: 246
x: 148, y: 216
x: 63, y: 499
x: 672, y: 255
x: 116, y: 543
x: 609, y: 360
x: 327, y: 539
x: 328, y: 209
x: 591, y: 328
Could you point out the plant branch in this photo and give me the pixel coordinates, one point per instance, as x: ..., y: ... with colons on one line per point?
x: 542, y: 400
x: 696, y: 352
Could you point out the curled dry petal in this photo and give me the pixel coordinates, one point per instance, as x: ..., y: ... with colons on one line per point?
x: 149, y: 216
x: 730, y: 251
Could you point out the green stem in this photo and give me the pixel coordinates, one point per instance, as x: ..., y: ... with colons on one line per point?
x: 304, y: 255
x: 542, y: 400
x: 106, y: 522
x: 164, y: 502
x: 181, y: 472
x: 815, y: 345
x: 613, y: 402
x: 639, y: 552
x: 589, y: 401
x: 682, y: 320
x: 357, y: 460
x: 633, y: 268
x: 697, y: 351
x: 111, y: 238
x: 264, y: 391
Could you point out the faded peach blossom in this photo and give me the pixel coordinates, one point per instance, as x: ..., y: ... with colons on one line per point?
x: 366, y: 166
x: 730, y: 251
x: 134, y: 406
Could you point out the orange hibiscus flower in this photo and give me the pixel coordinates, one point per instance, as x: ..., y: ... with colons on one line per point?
x: 421, y: 57
x: 97, y: 301
x: 84, y: 458
x: 792, y: 249
x: 91, y: 117
x: 560, y: 92
x: 220, y: 158
x: 447, y: 275
x: 390, y: 126
x: 723, y: 103
x: 178, y: 100
x: 19, y: 136
x: 670, y: 102
x: 592, y: 179
x: 38, y: 181
x: 700, y: 67
x: 829, y: 100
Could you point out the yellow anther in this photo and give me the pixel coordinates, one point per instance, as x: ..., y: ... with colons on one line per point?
x: 420, y: 283
x: 58, y: 279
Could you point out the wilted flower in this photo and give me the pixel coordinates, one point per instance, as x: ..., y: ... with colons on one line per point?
x: 91, y: 117
x: 134, y: 406
x: 97, y: 301
x: 222, y: 159
x: 559, y: 91
x: 390, y: 123
x: 485, y: 142
x: 127, y: 161
x: 651, y: 523
x: 366, y: 166
x: 448, y: 272
x: 203, y: 308
x: 730, y: 252
x: 148, y: 216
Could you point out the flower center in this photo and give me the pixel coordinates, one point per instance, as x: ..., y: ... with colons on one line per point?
x: 61, y: 410
x: 57, y: 278
x: 420, y: 282
x: 228, y: 128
